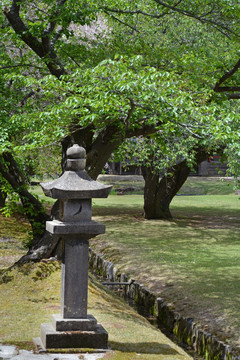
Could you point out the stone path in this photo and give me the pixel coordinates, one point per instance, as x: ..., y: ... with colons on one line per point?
x: 11, y: 353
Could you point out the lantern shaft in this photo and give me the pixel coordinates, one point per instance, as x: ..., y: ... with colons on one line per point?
x: 74, y: 278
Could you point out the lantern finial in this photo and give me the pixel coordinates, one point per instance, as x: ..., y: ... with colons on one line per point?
x: 76, y: 158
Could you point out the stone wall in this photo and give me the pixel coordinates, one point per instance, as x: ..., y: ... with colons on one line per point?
x: 185, y: 329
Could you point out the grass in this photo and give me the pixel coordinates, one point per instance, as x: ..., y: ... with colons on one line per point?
x: 14, y: 232
x: 193, y: 186
x: 134, y: 184
x: 192, y: 261
x: 31, y: 293
x: 207, y: 186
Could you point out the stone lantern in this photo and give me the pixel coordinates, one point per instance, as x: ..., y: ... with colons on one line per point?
x: 74, y: 328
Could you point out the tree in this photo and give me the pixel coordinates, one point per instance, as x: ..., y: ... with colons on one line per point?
x: 48, y: 34
x: 194, y: 46
x: 166, y: 159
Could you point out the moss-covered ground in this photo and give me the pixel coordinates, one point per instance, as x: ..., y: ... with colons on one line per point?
x: 14, y: 233
x: 30, y: 294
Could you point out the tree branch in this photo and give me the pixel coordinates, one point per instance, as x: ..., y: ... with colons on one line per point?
x: 122, y: 22
x: 27, y: 96
x: 20, y: 65
x: 51, y: 26
x: 202, y: 18
x: 71, y: 57
x: 227, y: 89
x: 15, y: 172
x: 235, y: 96
x: 132, y: 12
x: 130, y: 112
x: 21, y: 29
x: 49, y: 56
x: 225, y: 77
x: 226, y: 31
x: 56, y: 36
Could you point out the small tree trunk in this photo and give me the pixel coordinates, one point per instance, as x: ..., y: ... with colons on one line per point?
x: 3, y: 197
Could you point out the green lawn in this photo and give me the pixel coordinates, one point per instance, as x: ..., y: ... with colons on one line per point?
x: 194, y: 185
x: 192, y: 261
x: 207, y: 186
x: 134, y: 184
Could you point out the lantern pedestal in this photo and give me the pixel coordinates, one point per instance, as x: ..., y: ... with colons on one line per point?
x: 85, y: 324
x: 74, y: 328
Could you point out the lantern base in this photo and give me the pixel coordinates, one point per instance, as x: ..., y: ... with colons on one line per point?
x: 84, y: 324
x: 97, y: 338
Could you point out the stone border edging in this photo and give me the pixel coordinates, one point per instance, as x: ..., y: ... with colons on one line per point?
x: 185, y: 329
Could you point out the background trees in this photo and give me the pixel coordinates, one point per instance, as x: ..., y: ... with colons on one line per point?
x: 63, y: 84
x: 199, y: 55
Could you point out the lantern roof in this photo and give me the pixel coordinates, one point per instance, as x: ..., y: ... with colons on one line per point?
x: 75, y: 183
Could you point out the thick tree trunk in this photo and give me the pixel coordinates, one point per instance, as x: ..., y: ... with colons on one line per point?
x: 159, y: 192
